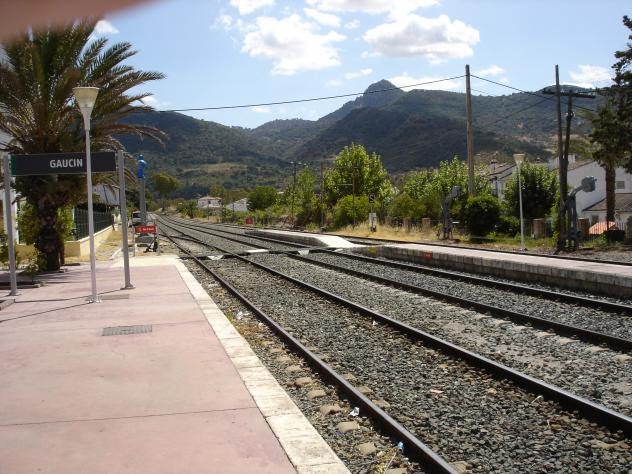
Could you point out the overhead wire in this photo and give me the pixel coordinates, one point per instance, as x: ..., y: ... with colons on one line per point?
x: 516, y: 112
x: 530, y: 93
x: 312, y: 99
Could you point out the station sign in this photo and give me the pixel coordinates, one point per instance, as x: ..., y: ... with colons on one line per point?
x: 145, y: 229
x: 61, y: 163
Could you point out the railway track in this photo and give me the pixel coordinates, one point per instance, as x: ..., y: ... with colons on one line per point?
x: 613, y: 330
x: 377, y: 241
x: 461, y: 380
x: 556, y: 294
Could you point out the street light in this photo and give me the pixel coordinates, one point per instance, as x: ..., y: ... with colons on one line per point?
x: 519, y: 158
x: 86, y: 97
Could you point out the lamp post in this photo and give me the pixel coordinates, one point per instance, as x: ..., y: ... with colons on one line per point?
x: 86, y: 97
x: 519, y: 158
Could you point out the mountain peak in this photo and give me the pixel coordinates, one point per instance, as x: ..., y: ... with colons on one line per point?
x: 379, y: 94
x: 380, y: 86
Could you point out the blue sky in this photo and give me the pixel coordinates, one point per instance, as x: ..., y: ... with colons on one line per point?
x: 228, y: 52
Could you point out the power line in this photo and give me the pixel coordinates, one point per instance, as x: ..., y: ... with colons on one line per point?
x: 527, y: 92
x: 313, y: 99
x: 513, y: 113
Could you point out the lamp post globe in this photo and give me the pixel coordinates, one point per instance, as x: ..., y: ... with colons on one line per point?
x: 86, y: 98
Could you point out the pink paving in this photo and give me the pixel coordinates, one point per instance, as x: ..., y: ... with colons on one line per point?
x: 74, y: 401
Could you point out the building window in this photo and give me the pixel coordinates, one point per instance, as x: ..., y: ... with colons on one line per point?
x: 620, y: 185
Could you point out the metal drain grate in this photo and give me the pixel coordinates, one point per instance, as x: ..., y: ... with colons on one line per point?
x: 115, y: 297
x: 126, y: 330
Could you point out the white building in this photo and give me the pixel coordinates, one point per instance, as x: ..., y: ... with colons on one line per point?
x: 499, y: 174
x: 623, y: 210
x: 578, y: 170
x: 238, y: 206
x: 588, y: 204
x: 210, y: 203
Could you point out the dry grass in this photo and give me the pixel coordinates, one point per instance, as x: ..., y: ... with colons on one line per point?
x: 386, y: 232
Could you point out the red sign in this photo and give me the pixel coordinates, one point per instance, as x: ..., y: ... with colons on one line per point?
x: 145, y: 229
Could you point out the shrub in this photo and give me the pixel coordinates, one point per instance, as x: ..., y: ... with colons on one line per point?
x: 481, y: 213
x: 346, y: 208
x: 508, y: 225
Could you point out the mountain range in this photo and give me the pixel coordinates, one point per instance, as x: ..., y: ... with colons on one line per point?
x: 409, y: 130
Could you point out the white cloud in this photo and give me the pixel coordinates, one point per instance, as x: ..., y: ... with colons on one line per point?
x: 406, y: 79
x: 373, y: 7
x: 437, y: 39
x: 104, y: 27
x: 326, y: 19
x: 504, y: 80
x: 292, y: 44
x: 590, y: 76
x: 368, y: 54
x: 352, y: 25
x: 246, y: 7
x: 491, y: 71
x: 150, y: 100
x: 224, y: 22
x: 334, y: 83
x: 261, y: 109
x: 355, y: 75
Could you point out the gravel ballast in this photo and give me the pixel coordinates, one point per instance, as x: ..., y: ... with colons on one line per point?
x: 462, y: 412
x: 576, y: 366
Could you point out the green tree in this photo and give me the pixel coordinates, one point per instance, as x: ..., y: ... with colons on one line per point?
x: 612, y: 124
x: 356, y: 170
x: 539, y: 191
x: 308, y: 206
x: 37, y: 110
x: 189, y: 208
x: 164, y: 184
x: 262, y: 197
x: 481, y: 214
x: 404, y: 206
x: 430, y: 187
x: 348, y: 208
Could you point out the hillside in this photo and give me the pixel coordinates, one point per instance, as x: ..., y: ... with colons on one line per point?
x: 408, y: 129
x: 201, y: 153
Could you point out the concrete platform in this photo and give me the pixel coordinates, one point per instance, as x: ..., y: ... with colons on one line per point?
x: 188, y: 396
x: 306, y: 238
x: 607, y: 279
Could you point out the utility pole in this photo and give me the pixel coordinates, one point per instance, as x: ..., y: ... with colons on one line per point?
x: 322, y: 195
x: 294, y: 163
x: 563, y: 153
x: 353, y: 198
x: 560, y: 150
x: 470, y: 133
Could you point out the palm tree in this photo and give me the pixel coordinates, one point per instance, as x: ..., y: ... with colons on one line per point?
x: 38, y: 112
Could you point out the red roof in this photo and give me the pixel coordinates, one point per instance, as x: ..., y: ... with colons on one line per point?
x: 600, y: 227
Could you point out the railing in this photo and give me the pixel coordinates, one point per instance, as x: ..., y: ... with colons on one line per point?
x: 612, y: 231
x: 101, y: 221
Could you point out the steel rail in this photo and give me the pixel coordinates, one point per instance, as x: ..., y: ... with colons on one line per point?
x: 624, y: 309
x: 377, y: 241
x: 414, y: 448
x: 514, y: 287
x: 619, y: 308
x: 593, y: 411
x: 561, y: 328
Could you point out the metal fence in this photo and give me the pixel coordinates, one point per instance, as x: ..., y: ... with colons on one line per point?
x: 612, y: 231
x: 101, y: 221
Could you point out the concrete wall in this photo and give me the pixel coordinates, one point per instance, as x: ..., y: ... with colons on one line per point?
x: 80, y: 248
